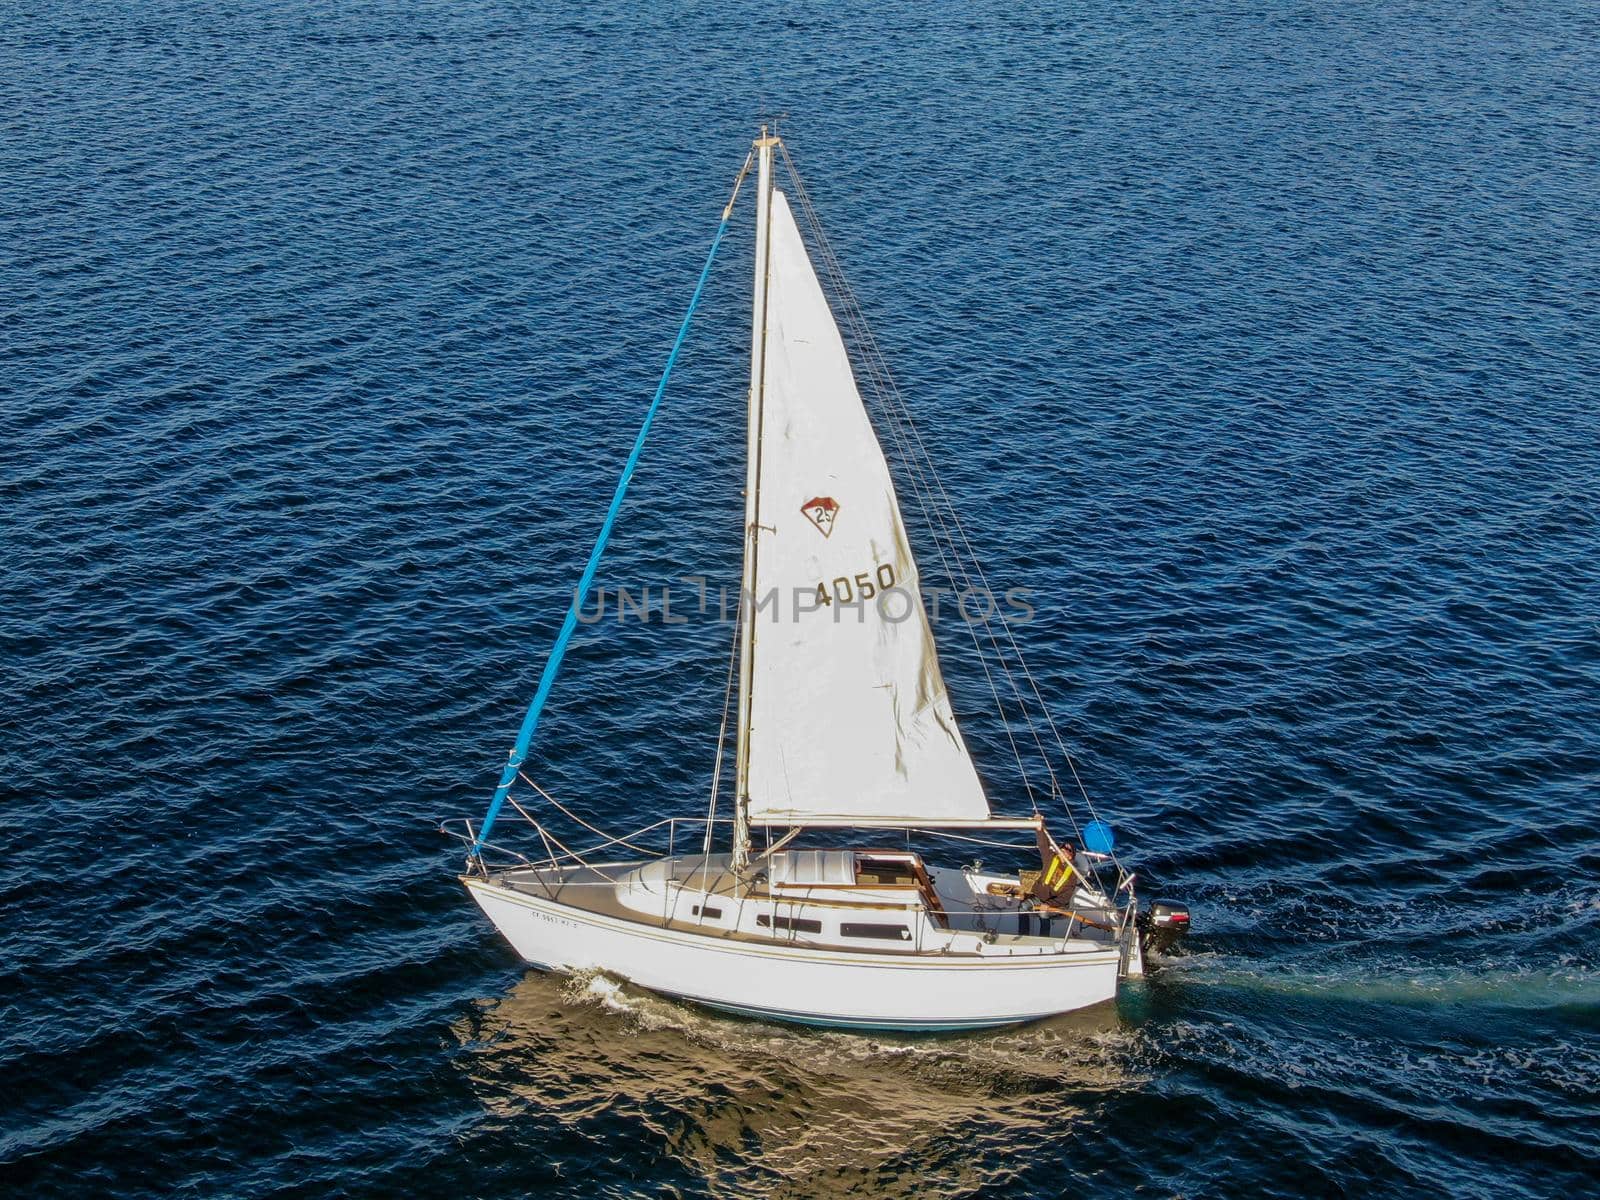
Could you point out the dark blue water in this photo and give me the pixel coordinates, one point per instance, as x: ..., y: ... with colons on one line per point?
x: 1260, y: 341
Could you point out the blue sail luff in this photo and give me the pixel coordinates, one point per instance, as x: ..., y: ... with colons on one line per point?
x: 552, y: 665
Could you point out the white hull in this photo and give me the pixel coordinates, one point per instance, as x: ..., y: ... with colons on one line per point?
x: 811, y: 986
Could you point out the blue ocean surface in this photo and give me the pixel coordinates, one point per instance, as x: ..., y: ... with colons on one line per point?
x: 1259, y: 342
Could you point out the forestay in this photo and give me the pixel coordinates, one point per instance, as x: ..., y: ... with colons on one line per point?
x: 849, y: 717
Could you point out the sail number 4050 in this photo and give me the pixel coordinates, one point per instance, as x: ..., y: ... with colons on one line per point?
x: 864, y: 586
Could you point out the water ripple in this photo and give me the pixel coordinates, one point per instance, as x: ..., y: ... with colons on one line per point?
x: 1258, y: 343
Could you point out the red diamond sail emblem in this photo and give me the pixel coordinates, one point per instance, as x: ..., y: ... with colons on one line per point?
x: 821, y: 512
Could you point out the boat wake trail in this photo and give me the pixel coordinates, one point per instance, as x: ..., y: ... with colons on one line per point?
x: 757, y: 1109
x: 1570, y: 989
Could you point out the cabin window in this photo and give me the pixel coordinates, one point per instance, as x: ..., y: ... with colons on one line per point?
x: 863, y: 929
x: 714, y: 914
x: 795, y: 924
x: 885, y: 873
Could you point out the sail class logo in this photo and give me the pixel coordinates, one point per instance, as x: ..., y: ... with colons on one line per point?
x: 820, y: 512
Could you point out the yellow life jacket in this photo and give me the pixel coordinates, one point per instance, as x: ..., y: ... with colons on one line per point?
x: 1057, y: 874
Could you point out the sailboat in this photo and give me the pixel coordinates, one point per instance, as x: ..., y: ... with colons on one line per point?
x: 820, y: 911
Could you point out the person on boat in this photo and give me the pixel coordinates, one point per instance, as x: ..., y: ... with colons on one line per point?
x: 1056, y: 879
x: 1048, y: 890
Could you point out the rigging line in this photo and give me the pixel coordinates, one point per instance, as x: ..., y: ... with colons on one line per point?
x: 1021, y: 660
x: 960, y: 579
x: 894, y: 401
x: 877, y: 371
x: 869, y: 343
x: 884, y: 386
x: 960, y: 576
x: 900, y: 421
x: 1022, y: 663
x: 835, y: 274
x: 570, y: 815
x: 566, y: 850
x: 722, y: 734
x: 558, y: 652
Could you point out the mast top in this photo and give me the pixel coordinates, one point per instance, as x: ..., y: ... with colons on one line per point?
x: 764, y: 140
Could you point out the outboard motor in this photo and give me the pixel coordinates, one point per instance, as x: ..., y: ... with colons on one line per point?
x: 1162, y: 924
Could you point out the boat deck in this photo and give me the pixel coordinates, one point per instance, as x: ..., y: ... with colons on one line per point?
x: 961, y: 922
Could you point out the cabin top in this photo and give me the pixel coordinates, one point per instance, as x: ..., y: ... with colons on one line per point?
x: 844, y: 868
x: 813, y: 868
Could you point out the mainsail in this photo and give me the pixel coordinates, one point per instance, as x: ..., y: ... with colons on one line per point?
x: 847, y: 710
